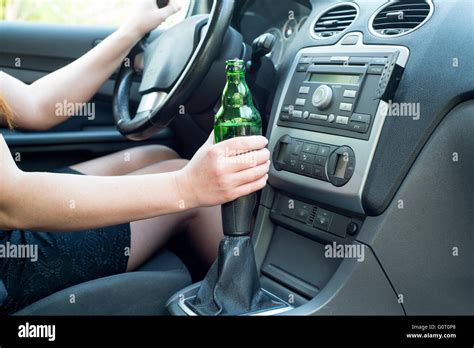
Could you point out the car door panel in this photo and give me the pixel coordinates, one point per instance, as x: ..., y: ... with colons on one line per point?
x: 30, y: 51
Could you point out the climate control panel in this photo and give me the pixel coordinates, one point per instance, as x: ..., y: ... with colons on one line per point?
x: 334, y: 164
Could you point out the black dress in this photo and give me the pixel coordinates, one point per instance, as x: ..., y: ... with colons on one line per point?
x: 34, y: 265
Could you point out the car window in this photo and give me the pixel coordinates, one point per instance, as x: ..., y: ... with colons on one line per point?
x: 79, y: 12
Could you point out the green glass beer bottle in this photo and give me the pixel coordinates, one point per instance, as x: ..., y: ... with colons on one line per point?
x: 237, y: 116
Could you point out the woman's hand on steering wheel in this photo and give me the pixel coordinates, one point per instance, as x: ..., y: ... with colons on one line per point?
x: 147, y: 16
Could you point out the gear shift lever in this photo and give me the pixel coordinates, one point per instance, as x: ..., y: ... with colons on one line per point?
x: 232, y: 286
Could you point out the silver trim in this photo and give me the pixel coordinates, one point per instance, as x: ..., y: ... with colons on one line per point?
x: 313, y: 23
x: 151, y: 101
x: 182, y: 304
x: 348, y: 197
x: 392, y: 2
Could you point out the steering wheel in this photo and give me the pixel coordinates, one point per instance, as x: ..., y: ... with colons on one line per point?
x: 175, y: 64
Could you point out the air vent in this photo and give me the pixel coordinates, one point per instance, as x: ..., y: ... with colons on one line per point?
x: 334, y: 21
x: 401, y: 17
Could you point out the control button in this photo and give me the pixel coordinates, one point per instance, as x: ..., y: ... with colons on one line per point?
x: 304, y: 90
x: 305, y: 168
x: 293, y: 163
x: 288, y: 109
x: 342, y: 120
x: 323, y: 151
x: 350, y: 40
x: 302, y: 68
x: 321, y: 60
x: 297, y: 114
x: 318, y: 117
x: 380, y: 61
x: 307, y: 158
x: 297, y: 147
x: 331, y: 118
x: 302, y: 211
x: 322, y: 97
x: 306, y: 60
x: 361, y: 118
x: 323, y: 219
x: 284, y: 117
x: 306, y: 115
x: 310, y: 148
x: 359, y: 127
x: 320, y: 160
x: 352, y: 228
x: 300, y: 102
x: 346, y: 107
x: 318, y: 172
x: 376, y: 69
x: 348, y: 93
x: 340, y: 59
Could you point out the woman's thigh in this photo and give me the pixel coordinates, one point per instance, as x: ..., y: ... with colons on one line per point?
x: 127, y: 161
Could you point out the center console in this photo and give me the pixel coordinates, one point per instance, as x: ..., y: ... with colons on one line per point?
x: 323, y: 135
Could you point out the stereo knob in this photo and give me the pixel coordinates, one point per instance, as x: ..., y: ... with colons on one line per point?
x: 322, y: 97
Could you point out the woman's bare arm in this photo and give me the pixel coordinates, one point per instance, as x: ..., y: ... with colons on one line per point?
x: 58, y: 202
x: 35, y: 106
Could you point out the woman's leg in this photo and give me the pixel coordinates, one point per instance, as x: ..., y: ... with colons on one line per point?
x: 202, y: 227
x: 127, y: 161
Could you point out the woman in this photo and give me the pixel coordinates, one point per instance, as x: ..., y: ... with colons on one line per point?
x: 126, y: 205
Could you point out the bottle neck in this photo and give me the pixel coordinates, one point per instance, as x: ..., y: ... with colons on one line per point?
x: 237, y: 92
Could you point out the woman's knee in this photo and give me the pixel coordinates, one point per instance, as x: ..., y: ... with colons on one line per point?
x: 152, y: 154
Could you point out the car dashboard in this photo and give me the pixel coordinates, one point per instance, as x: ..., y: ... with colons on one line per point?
x: 363, y: 90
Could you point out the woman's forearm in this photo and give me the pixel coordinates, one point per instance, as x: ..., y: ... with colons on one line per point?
x: 78, y: 82
x: 59, y: 202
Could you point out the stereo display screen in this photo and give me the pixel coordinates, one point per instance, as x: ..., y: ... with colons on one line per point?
x: 333, y: 78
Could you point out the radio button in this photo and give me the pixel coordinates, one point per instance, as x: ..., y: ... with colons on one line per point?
x: 346, y: 107
x: 318, y: 172
x: 331, y: 118
x: 322, y: 97
x: 293, y: 163
x: 306, y: 115
x: 361, y: 118
x: 307, y: 158
x: 284, y: 117
x: 302, y: 68
x: 297, y: 147
x: 320, y: 160
x: 305, y: 168
x: 376, y: 69
x: 342, y: 120
x: 297, y: 114
x: 318, y: 117
x: 359, y: 127
x: 311, y: 148
x: 350, y: 93
x: 300, y: 102
x: 304, y: 90
x: 306, y: 60
x: 323, y: 151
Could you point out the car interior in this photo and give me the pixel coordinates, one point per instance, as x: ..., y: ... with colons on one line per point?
x: 368, y: 106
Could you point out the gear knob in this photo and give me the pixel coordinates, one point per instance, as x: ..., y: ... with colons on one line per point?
x: 237, y: 216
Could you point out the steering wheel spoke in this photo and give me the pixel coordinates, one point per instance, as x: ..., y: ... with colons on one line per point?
x: 150, y: 102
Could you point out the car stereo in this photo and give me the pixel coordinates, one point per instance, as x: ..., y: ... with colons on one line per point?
x: 328, y: 121
x: 339, y: 94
